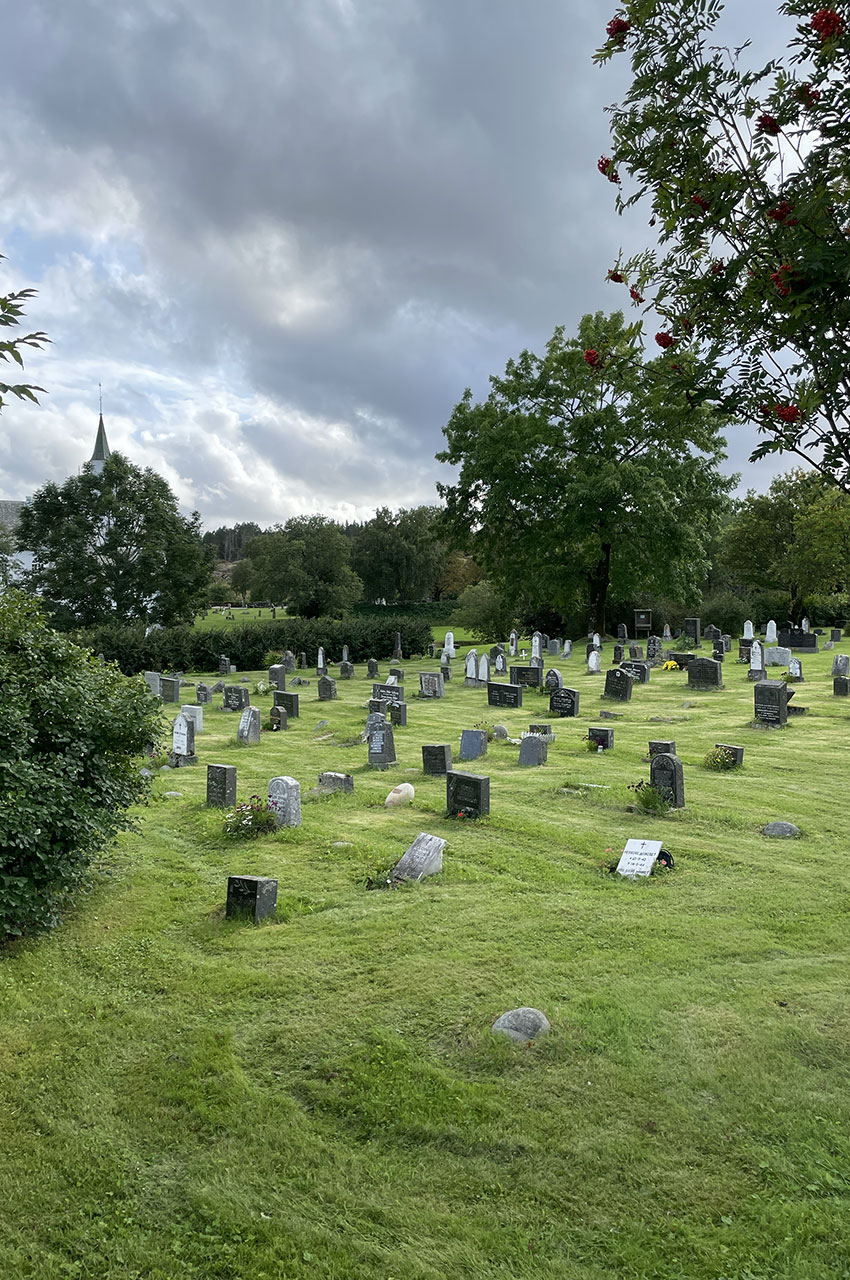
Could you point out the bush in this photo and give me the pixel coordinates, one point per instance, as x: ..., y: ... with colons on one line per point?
x: 482, y: 611
x: 71, y: 730
x: 649, y: 798
x: 250, y: 819
x: 720, y: 758
x: 191, y: 648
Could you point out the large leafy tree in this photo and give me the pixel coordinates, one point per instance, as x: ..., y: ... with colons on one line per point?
x: 581, y: 471
x: 113, y: 547
x: 747, y: 171
x: 400, y: 556
x: 305, y: 564
x: 794, y: 538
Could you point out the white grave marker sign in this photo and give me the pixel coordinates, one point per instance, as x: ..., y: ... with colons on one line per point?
x: 638, y: 858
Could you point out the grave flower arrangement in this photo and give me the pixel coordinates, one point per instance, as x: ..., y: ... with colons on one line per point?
x: 595, y: 744
x: 671, y: 665
x: 649, y: 799
x: 250, y: 819
x: 720, y: 758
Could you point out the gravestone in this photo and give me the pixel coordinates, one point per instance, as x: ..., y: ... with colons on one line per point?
x: 665, y: 774
x: 596, y: 640
x: 422, y: 858
x: 738, y: 752
x: 327, y: 689
x: 289, y: 702
x: 396, y: 675
x: 277, y: 676
x: 553, y: 679
x: 618, y: 684
x: 795, y: 671
x: 495, y: 650
x: 398, y: 714
x: 249, y: 726
x: 470, y: 669
x: 564, y: 702
x: 719, y: 650
x: 182, y: 742
x: 619, y: 654
x: 655, y: 651
x: 196, y: 715
x: 770, y: 636
x: 397, y: 655
x: 467, y: 793
x: 431, y: 685
x: 278, y: 719
x: 279, y: 697
x: 537, y: 645
x: 568, y: 649
x: 712, y: 632
x: 346, y: 670
x: 749, y: 633
x: 285, y: 801
x: 594, y: 663
x: 436, y: 758
x: 221, y: 786
x: 445, y: 668
x: 236, y: 696
x: 841, y: 686
x: 504, y: 695
x: 637, y: 670
x: 770, y: 698
x: 692, y: 631
x: 379, y: 704
x: 381, y: 747
x: 527, y: 676
x: 250, y: 897
x: 513, y: 644
x: 372, y: 669
x: 835, y: 634
x: 666, y: 633
x: 224, y: 665
x: 542, y: 731
x: 776, y: 656
x: 500, y: 665
x: 388, y: 692
x: 636, y: 652
x: 288, y: 661
x: 473, y: 744
x: 622, y: 631
x: 321, y: 664
x: 638, y: 858
x: 665, y: 747
x: 705, y: 673
x: 745, y: 648
x: 602, y: 737
x: 841, y: 665
x: 153, y: 680
x: 375, y: 720
x: 537, y: 662
x: 483, y: 670
x: 302, y: 661
x: 330, y: 782
x: 449, y: 645
x: 170, y: 689
x: 203, y: 693
x: 346, y: 657
x: 756, y: 671
x: 797, y: 638
x: 553, y: 648
x: 533, y: 750
x: 829, y: 644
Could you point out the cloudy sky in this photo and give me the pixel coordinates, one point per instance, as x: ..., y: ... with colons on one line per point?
x: 286, y: 234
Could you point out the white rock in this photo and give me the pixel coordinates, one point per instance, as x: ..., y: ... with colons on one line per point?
x: 402, y: 794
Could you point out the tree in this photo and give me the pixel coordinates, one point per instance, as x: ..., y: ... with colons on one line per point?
x: 460, y: 572
x: 305, y: 565
x: 748, y: 174
x: 229, y: 542
x: 7, y: 554
x: 71, y: 729
x: 482, y: 610
x: 576, y: 474
x: 114, y: 547
x: 794, y: 538
x: 240, y: 577
x: 399, y: 556
x: 11, y: 312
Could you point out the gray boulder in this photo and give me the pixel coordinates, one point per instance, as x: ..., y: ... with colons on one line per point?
x: 781, y: 830
x: 522, y: 1025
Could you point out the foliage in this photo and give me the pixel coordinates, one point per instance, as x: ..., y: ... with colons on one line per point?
x: 7, y: 554
x: 399, y: 556
x: 577, y: 474
x: 483, y: 611
x: 460, y: 572
x: 229, y: 541
x: 727, y: 609
x: 745, y: 168
x: 305, y: 565
x: 11, y: 312
x: 240, y: 578
x: 795, y: 537
x: 198, y: 648
x: 70, y: 731
x: 113, y: 546
x: 250, y: 819
x: 649, y: 799
x: 720, y: 759
x: 437, y: 612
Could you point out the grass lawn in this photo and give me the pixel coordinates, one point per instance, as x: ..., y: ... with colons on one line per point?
x: 185, y: 1098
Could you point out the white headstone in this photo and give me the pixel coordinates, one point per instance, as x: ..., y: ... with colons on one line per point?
x: 795, y: 669
x: 537, y: 645
x: 449, y: 644
x: 249, y: 726
x: 770, y: 636
x: 513, y: 644
x: 568, y: 649
x: 471, y: 669
x: 638, y: 858
x: 196, y: 715
x: 320, y: 661
x: 484, y: 667
x: 596, y: 641
x: 749, y: 634
x: 391, y: 680
x: 667, y: 634
x: 183, y: 736
x: 594, y: 662
x: 423, y: 858
x: 805, y: 625
x: 756, y: 660
x: 285, y: 801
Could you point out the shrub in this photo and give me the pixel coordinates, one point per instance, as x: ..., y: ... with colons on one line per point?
x: 71, y: 729
x: 649, y: 798
x: 191, y: 648
x: 720, y: 758
x: 250, y: 818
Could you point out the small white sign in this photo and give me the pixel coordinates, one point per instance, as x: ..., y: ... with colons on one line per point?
x: 638, y: 857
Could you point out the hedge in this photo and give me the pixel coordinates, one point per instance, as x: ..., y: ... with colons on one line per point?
x: 189, y: 648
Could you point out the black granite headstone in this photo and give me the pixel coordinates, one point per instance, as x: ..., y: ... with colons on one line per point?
x: 467, y: 793
x: 564, y: 702
x: 436, y: 758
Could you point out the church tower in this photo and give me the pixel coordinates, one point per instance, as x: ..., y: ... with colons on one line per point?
x: 101, y: 448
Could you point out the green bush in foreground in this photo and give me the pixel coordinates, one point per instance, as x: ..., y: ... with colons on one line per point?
x: 70, y: 731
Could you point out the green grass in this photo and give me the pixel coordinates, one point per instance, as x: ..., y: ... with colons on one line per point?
x: 215, y: 621
x: 184, y: 1096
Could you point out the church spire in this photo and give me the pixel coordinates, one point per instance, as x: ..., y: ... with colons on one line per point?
x: 101, y: 444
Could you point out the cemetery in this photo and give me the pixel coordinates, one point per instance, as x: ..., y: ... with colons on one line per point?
x: 419, y: 884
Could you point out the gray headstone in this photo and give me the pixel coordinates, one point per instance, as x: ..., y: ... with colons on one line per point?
x: 602, y: 737
x: 841, y: 665
x: 326, y: 688
x: 666, y: 747
x: 738, y: 752
x: 594, y: 663
x: 705, y: 673
x: 372, y: 669
x: 770, y: 699
x: 749, y: 634
x: 473, y: 744
x: 381, y: 747
x: 251, y: 897
x: 277, y: 676
x: 770, y: 635
x: 154, y: 682
x: 221, y: 786
x: 182, y: 736
x: 346, y: 670
x: 504, y: 695
x: 530, y: 676
x: 553, y: 680
x: 449, y: 645
x: 422, y: 858
x: 618, y: 684
x: 436, y: 758
x: 398, y: 714
x: 637, y: 670
x: 336, y: 782
x: 278, y: 719
x: 236, y: 697
x: 285, y: 801
x: 431, y: 684
x: 513, y: 644
x: 169, y: 689
x: 249, y: 726
x: 665, y: 774
x: 196, y: 715
x: 776, y: 656
x: 533, y: 750
x: 204, y: 694
x: 568, y: 649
